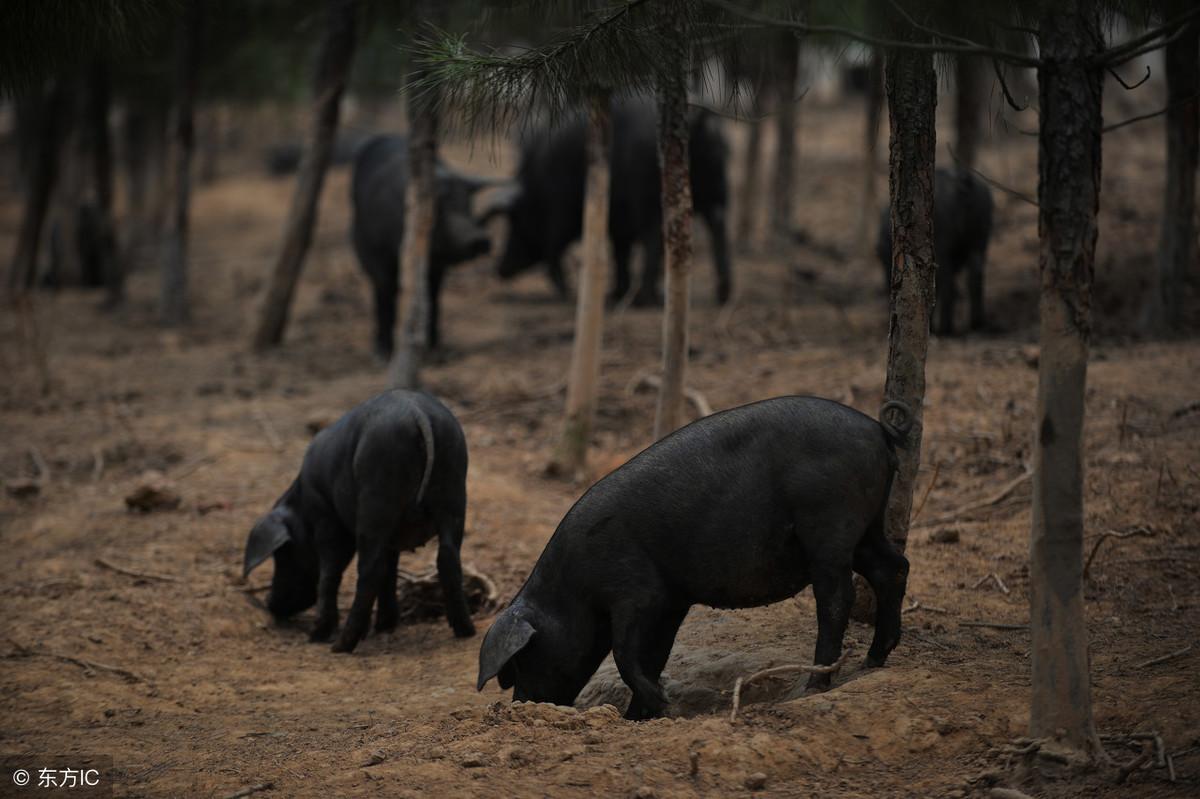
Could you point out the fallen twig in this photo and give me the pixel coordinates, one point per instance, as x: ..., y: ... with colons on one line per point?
x: 1140, y: 531
x: 775, y: 671
x: 1170, y: 656
x: 1133, y: 765
x: 104, y: 564
x: 1004, y: 491
x: 937, y: 467
x: 993, y: 625
x: 255, y: 589
x: 97, y: 463
x: 88, y: 666
x: 654, y: 381
x: 994, y: 577
x: 202, y: 461
x: 40, y: 464
x: 262, y: 786
x: 923, y: 639
x: 268, y: 429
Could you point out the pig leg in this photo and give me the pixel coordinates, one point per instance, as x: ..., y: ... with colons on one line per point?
x: 638, y: 633
x: 374, y: 556
x: 435, y: 293
x: 622, y: 250
x: 383, y: 270
x: 450, y: 535
x: 655, y: 653
x: 652, y: 256
x: 715, y: 219
x: 557, y: 276
x: 387, y: 607
x: 975, y: 289
x: 833, y: 589
x: 886, y: 571
x: 333, y: 564
x: 946, y: 295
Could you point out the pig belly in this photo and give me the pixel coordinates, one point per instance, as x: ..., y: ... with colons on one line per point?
x: 747, y: 571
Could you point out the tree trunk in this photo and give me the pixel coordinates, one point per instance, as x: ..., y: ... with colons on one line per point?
x: 419, y: 210
x: 1177, y: 242
x: 912, y: 102
x: 749, y: 205
x: 677, y: 227
x: 99, y: 101
x: 584, y: 378
x: 968, y: 109
x: 784, y: 180
x: 333, y: 69
x: 1068, y: 195
x: 187, y: 65
x: 868, y: 208
x: 51, y: 122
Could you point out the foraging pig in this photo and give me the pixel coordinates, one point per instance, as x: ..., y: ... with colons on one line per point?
x: 386, y: 477
x: 962, y: 226
x: 739, y: 509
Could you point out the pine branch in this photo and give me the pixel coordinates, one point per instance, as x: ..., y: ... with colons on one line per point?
x: 1140, y: 45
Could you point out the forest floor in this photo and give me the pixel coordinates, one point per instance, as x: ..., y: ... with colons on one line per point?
x: 182, y: 680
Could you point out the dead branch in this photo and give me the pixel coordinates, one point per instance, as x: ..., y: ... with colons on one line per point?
x: 1133, y: 765
x: 1127, y: 86
x: 925, y: 640
x: 199, y: 463
x: 1140, y: 531
x: 97, y: 463
x: 39, y: 463
x: 991, y: 181
x: 937, y: 467
x: 88, y: 666
x: 655, y: 382
x: 1191, y: 407
x: 253, y: 789
x: 255, y: 589
x: 776, y: 671
x: 269, y: 432
x: 994, y: 577
x: 993, y: 625
x: 1001, y: 494
x: 1163, y: 659
x: 104, y: 564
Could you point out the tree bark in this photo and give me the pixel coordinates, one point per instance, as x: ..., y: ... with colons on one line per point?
x: 333, y: 70
x: 677, y: 227
x: 968, y: 109
x: 783, y: 185
x: 912, y: 102
x: 582, y: 385
x: 187, y: 65
x: 1068, y: 195
x: 750, y: 200
x: 51, y: 121
x: 419, y: 210
x: 99, y: 101
x: 868, y: 208
x: 1177, y: 240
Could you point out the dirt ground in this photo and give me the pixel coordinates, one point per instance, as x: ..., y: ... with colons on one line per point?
x: 193, y: 691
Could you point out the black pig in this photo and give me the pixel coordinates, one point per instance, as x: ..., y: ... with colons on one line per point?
x: 962, y: 226
x: 378, y: 193
x: 545, y: 212
x: 739, y: 509
x: 386, y: 477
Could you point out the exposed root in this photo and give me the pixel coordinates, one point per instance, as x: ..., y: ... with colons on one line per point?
x: 1004, y: 491
x: 1163, y: 659
x: 775, y: 671
x: 1140, y: 531
x: 104, y: 564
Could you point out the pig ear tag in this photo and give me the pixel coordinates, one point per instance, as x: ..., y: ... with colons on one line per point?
x: 508, y: 636
x: 267, y: 536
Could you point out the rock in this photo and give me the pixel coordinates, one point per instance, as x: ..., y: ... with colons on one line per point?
x: 756, y: 781
x: 945, y: 535
x: 23, y: 488
x: 1030, y: 354
x: 473, y: 760
x: 154, y: 492
x: 644, y: 792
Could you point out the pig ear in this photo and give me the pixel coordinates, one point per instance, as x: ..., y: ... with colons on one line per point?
x: 268, y: 535
x: 508, y: 636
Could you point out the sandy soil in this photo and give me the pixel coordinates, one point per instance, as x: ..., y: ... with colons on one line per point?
x: 212, y: 697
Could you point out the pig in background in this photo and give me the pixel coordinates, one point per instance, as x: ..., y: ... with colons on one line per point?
x: 962, y: 227
x: 386, y: 477
x: 743, y: 508
x: 545, y: 210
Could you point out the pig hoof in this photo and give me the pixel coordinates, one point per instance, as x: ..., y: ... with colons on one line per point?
x: 646, y: 299
x: 873, y: 663
x: 385, y: 624
x: 321, y: 634
x: 343, y: 645
x: 463, y: 630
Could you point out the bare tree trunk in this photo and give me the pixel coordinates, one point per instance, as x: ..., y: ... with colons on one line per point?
x: 868, y: 208
x: 1068, y: 195
x: 1177, y: 242
x: 174, y: 264
x: 419, y: 210
x: 750, y: 200
x: 783, y: 185
x: 912, y: 102
x: 677, y: 228
x: 584, y: 379
x: 47, y: 144
x: 968, y: 109
x: 333, y: 69
x: 99, y: 101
